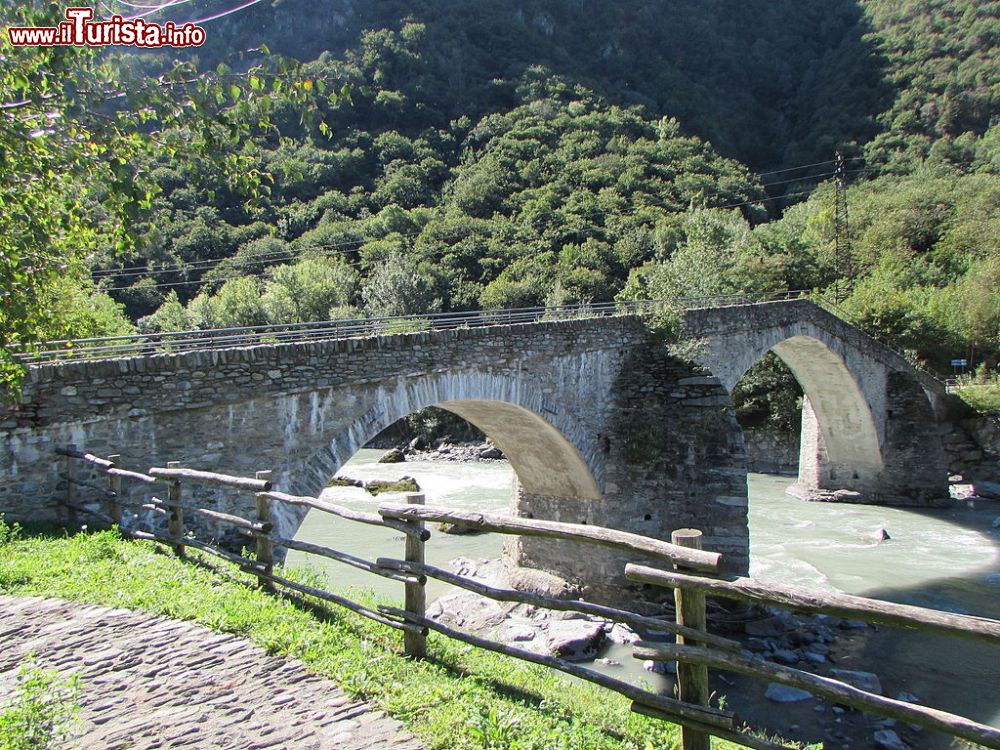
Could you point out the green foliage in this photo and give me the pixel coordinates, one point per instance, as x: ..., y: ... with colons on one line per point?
x: 941, y: 60
x: 980, y: 390
x: 768, y: 395
x: 309, y: 290
x: 8, y: 533
x: 924, y: 263
x: 397, y: 287
x: 77, y: 139
x: 37, y: 711
x: 983, y: 398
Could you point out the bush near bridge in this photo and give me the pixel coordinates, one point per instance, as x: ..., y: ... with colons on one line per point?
x: 457, y: 699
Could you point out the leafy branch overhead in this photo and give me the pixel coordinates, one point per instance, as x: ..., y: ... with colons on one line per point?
x: 77, y: 130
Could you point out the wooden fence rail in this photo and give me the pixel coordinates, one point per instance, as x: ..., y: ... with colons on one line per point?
x: 690, y: 708
x: 373, y: 519
x: 623, y: 540
x: 827, y: 603
x: 839, y: 692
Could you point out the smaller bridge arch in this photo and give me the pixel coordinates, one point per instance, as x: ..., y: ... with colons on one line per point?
x: 851, y: 439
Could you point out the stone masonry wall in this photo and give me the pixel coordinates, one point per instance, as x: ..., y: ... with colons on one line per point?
x: 675, y: 459
x: 771, y: 451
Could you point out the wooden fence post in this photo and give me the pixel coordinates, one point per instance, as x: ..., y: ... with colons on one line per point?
x: 692, y: 679
x: 115, y: 486
x: 175, y: 524
x: 265, y: 548
x: 415, y: 644
x: 72, y: 518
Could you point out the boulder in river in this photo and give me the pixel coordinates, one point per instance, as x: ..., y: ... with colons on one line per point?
x: 660, y: 667
x: 785, y: 694
x: 863, y: 680
x: 539, y: 582
x: 886, y: 739
x: 339, y: 481
x: 457, y: 529
x: 989, y: 490
x: 575, y: 640
x: 403, y: 484
x: 394, y: 456
x: 769, y: 627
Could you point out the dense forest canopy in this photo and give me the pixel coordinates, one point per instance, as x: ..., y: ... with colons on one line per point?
x: 500, y: 154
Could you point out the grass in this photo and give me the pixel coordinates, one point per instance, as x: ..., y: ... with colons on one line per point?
x: 984, y: 398
x: 38, y: 711
x: 457, y: 698
x: 980, y: 390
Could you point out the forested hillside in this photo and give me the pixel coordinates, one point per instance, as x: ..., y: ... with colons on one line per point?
x: 499, y: 154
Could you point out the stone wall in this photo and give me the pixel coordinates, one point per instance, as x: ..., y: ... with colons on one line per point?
x: 972, y: 446
x: 771, y: 451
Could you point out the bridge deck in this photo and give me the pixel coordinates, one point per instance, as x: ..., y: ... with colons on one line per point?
x: 150, y: 682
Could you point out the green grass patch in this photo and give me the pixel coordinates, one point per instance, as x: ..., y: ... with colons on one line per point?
x: 985, y: 398
x: 457, y: 698
x: 378, y: 486
x: 37, y: 712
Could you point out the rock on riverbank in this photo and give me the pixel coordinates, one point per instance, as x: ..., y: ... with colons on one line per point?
x: 444, y: 450
x: 571, y: 635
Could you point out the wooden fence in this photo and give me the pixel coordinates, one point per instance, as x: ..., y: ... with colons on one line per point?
x: 688, y: 565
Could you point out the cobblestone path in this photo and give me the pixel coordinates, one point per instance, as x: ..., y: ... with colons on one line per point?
x: 150, y: 682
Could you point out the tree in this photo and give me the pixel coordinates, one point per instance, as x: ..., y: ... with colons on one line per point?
x: 74, y: 134
x: 397, y: 287
x: 309, y: 290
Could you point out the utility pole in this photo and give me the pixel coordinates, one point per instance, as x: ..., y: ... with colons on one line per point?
x: 842, y: 231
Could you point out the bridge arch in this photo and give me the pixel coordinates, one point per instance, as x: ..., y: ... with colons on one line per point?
x: 835, y: 401
x: 868, y: 419
x: 549, y: 454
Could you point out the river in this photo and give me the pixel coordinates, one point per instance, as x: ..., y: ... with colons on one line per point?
x: 945, y: 559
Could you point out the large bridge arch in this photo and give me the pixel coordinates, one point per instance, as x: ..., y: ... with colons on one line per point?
x: 549, y: 456
x: 839, y: 416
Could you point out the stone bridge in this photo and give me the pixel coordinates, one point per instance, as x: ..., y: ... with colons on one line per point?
x: 602, y: 423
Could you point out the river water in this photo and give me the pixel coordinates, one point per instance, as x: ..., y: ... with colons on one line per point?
x: 945, y: 559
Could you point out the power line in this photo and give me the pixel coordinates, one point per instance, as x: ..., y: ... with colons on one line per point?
x: 342, y: 248
x: 807, y: 166
x: 208, y: 264
x: 799, y: 179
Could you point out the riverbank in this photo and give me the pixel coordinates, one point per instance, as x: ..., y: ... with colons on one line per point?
x: 824, y: 645
x: 476, y: 451
x: 458, y: 698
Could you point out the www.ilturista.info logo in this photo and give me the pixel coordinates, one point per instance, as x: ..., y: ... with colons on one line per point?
x: 78, y: 30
